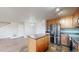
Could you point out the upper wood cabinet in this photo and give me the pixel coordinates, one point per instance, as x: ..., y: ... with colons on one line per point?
x: 75, y: 19
x: 66, y: 22
x: 51, y: 22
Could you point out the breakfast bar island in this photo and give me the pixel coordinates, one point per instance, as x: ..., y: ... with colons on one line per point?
x: 38, y: 42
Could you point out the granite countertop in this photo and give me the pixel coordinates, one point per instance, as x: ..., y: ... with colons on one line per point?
x: 37, y: 36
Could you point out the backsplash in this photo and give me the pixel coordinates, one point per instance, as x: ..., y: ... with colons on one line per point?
x: 72, y: 32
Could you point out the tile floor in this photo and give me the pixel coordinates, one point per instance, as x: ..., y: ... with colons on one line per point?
x: 56, y: 48
x: 51, y: 48
x: 19, y: 45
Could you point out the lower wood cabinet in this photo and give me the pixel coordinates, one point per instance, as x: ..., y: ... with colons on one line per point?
x: 38, y: 45
x: 46, y: 42
x: 42, y: 44
x: 78, y: 48
x: 65, y: 40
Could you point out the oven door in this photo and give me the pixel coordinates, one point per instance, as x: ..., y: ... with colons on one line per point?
x: 75, y: 46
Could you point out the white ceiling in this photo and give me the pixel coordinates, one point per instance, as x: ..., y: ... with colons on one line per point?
x: 24, y: 13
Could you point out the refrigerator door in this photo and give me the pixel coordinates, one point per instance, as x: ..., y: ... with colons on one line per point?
x: 58, y: 34
x: 55, y: 31
x: 55, y: 34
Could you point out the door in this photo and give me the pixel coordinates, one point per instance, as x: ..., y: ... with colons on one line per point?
x: 55, y: 31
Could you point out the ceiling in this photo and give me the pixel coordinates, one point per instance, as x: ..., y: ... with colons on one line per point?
x: 21, y: 14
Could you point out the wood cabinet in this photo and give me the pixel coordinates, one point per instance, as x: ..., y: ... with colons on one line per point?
x: 38, y: 45
x: 65, y: 22
x: 42, y: 44
x: 31, y: 44
x: 46, y: 42
x: 51, y: 22
x: 78, y: 48
x: 75, y: 19
x: 64, y: 40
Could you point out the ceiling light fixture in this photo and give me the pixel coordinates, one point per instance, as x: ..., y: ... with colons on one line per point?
x: 62, y: 21
x: 60, y: 13
x: 57, y: 9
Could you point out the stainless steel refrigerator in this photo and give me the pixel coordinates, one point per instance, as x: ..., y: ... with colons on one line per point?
x: 55, y: 33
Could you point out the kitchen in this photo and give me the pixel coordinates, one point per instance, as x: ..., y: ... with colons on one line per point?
x: 67, y: 31
x: 39, y: 29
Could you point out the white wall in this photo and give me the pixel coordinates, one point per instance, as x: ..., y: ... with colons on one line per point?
x: 12, y: 29
x: 41, y: 26
x: 29, y: 27
x: 35, y: 26
x: 21, y: 30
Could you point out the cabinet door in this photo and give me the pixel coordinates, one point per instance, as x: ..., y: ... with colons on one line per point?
x: 64, y: 40
x: 46, y: 42
x: 75, y: 46
x: 78, y: 48
x: 40, y: 45
x: 31, y: 45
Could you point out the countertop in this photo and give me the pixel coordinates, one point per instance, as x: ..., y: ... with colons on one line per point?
x: 37, y: 36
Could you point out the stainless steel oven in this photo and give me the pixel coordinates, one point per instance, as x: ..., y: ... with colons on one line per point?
x: 75, y: 46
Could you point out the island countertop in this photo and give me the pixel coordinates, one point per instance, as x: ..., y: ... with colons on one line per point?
x: 37, y: 36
